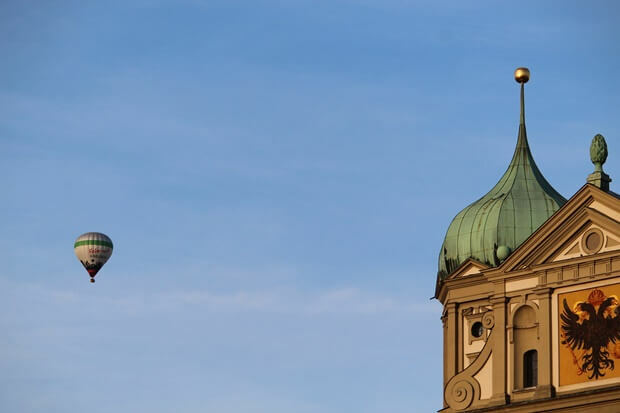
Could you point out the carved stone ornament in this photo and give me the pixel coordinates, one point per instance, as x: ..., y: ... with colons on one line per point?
x: 463, y: 390
x: 460, y: 393
x: 598, y: 152
x: 488, y: 320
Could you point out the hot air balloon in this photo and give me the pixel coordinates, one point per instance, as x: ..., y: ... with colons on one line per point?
x: 93, y: 249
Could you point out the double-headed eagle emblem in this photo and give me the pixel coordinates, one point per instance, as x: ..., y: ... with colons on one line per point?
x: 592, y: 326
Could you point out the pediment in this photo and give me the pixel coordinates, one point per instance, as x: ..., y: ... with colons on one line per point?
x: 469, y: 267
x: 591, y: 240
x: 587, y: 224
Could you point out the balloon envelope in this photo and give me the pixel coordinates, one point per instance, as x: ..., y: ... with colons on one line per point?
x: 93, y: 249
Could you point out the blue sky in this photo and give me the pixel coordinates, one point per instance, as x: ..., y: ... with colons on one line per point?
x: 277, y: 177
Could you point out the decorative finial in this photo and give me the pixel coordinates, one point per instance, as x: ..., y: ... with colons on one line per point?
x: 598, y: 152
x: 598, y: 156
x: 522, y: 75
x: 503, y: 252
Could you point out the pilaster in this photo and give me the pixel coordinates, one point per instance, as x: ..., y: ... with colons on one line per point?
x: 545, y: 387
x: 451, y: 343
x: 500, y: 395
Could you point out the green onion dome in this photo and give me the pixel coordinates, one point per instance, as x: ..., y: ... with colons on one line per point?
x: 495, y: 225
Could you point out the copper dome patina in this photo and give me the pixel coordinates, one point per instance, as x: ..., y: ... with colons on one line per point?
x: 495, y: 225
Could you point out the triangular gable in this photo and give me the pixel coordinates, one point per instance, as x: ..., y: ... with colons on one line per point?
x: 469, y: 267
x: 591, y: 239
x: 589, y: 208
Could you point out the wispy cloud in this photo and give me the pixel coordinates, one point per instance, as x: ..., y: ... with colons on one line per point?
x: 338, y: 301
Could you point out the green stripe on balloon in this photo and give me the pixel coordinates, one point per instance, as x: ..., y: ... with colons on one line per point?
x: 93, y: 242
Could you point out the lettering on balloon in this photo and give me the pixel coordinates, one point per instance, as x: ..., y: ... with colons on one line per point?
x: 97, y: 250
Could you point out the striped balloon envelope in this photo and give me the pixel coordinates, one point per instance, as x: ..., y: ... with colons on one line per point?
x: 93, y: 249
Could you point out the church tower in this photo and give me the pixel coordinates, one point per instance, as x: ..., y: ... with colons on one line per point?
x: 530, y: 285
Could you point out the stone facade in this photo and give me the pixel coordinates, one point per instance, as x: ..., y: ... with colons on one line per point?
x: 521, y: 336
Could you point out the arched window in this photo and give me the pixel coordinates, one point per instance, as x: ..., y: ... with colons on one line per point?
x: 530, y: 368
x: 525, y: 343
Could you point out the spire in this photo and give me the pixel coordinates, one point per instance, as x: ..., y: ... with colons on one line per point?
x: 496, y: 224
x: 522, y: 75
x: 522, y: 167
x: 522, y: 119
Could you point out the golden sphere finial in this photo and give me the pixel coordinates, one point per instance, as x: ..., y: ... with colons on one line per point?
x: 522, y: 74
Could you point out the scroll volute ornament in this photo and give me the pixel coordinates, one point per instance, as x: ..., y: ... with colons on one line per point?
x: 460, y: 393
x: 488, y: 320
x: 463, y: 390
